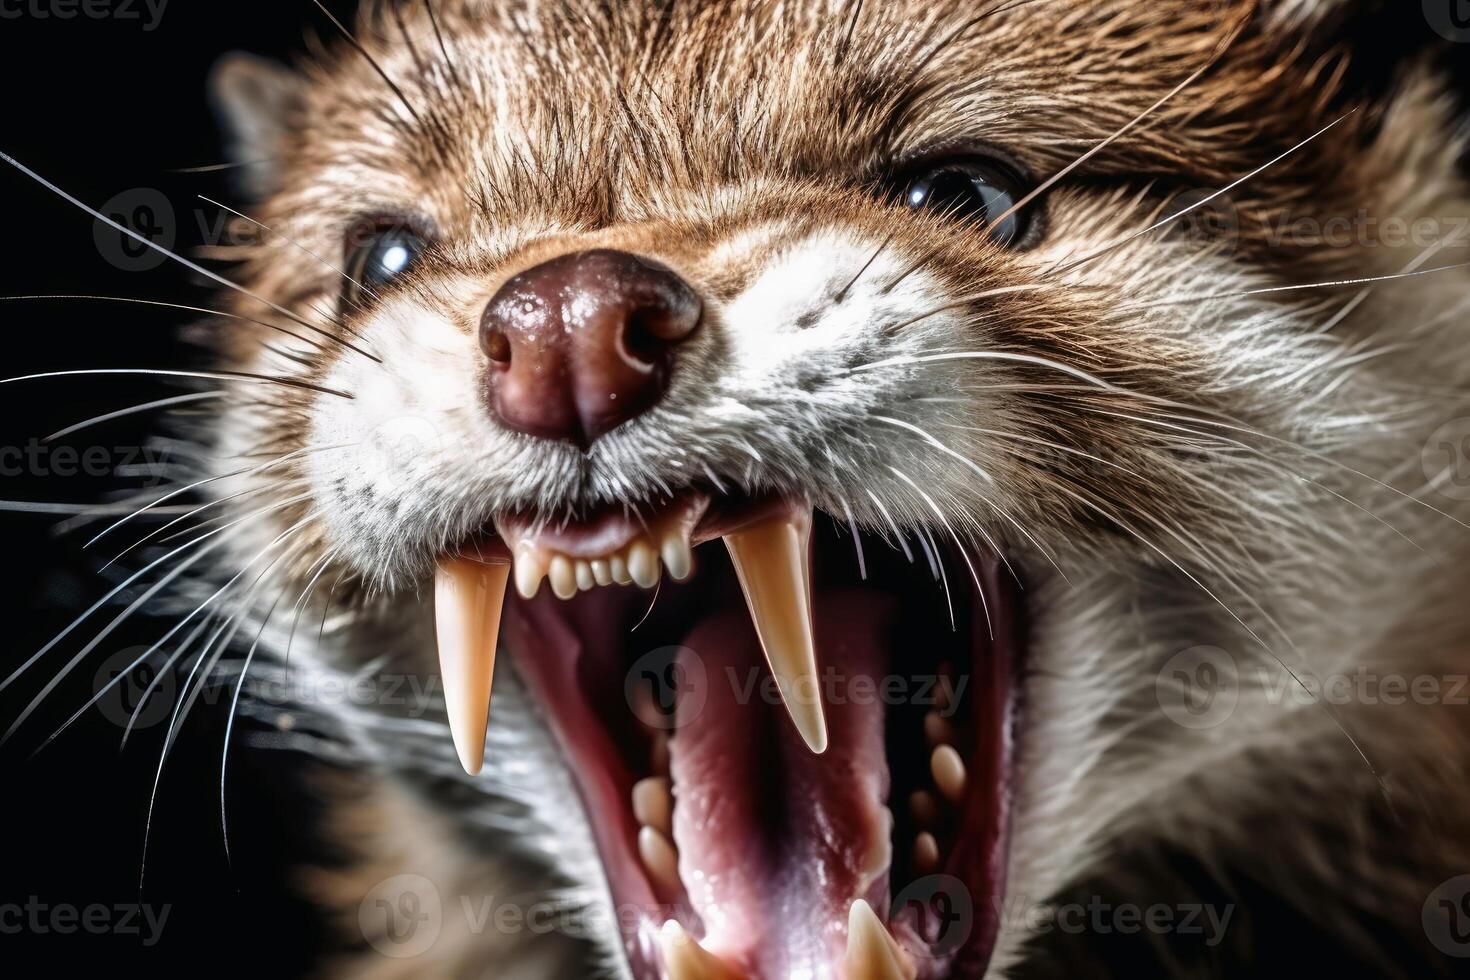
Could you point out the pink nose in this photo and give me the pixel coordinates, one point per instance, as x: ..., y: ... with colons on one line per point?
x: 583, y: 343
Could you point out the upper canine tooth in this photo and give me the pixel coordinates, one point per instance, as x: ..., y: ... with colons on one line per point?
x: 643, y: 564
x: 872, y: 952
x: 468, y: 597
x: 772, y: 561
x: 685, y: 959
x: 563, y: 577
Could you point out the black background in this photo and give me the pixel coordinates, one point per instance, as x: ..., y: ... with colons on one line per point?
x: 102, y: 106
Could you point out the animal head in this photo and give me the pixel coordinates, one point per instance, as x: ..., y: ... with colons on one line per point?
x: 1031, y: 299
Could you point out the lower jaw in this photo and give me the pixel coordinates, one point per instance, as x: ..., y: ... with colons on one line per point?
x: 770, y: 845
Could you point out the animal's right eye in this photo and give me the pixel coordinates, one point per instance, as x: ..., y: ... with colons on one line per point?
x: 379, y: 255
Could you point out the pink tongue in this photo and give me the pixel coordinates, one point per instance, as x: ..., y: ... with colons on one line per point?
x: 775, y: 843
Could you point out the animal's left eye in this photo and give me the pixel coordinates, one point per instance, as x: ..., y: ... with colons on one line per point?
x: 973, y: 189
x: 380, y: 255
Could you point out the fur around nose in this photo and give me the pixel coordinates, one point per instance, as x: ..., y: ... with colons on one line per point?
x: 581, y: 344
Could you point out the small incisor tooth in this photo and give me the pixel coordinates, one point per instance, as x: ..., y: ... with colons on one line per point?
x: 678, y: 557
x: 585, y: 581
x: 772, y: 562
x: 643, y: 564
x: 618, y: 566
x: 872, y: 952
x: 602, y: 571
x: 653, y: 804
x: 661, y: 860
x: 948, y: 770
x: 563, y: 577
x: 468, y: 598
x: 685, y: 959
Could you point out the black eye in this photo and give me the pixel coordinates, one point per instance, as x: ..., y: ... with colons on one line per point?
x: 378, y: 254
x: 972, y: 189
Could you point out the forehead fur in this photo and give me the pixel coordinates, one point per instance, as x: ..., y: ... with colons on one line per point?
x: 589, y: 114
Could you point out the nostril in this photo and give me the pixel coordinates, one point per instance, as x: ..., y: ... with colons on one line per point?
x: 641, y: 348
x: 651, y: 333
x: 496, y: 346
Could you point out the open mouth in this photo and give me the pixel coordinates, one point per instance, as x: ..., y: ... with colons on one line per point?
x: 797, y: 760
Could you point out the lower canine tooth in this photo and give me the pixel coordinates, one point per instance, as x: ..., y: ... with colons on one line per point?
x: 643, y: 564
x: 771, y: 560
x: 872, y: 952
x: 468, y: 597
x: 685, y: 959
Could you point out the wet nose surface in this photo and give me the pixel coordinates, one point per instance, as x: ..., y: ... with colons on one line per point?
x: 581, y: 344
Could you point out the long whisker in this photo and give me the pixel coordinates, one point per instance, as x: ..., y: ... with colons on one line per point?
x: 893, y: 525
x: 186, y: 704
x: 218, y: 502
x: 1329, y: 284
x: 1195, y: 76
x: 230, y: 720
x: 186, y: 263
x: 248, y: 471
x: 293, y: 243
x: 100, y: 603
x: 842, y: 293
x: 240, y: 376
x: 939, y: 513
x: 70, y: 510
x: 134, y: 410
x: 1106, y: 249
x: 352, y: 39
x: 177, y: 306
x: 71, y: 665
x: 1007, y: 356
